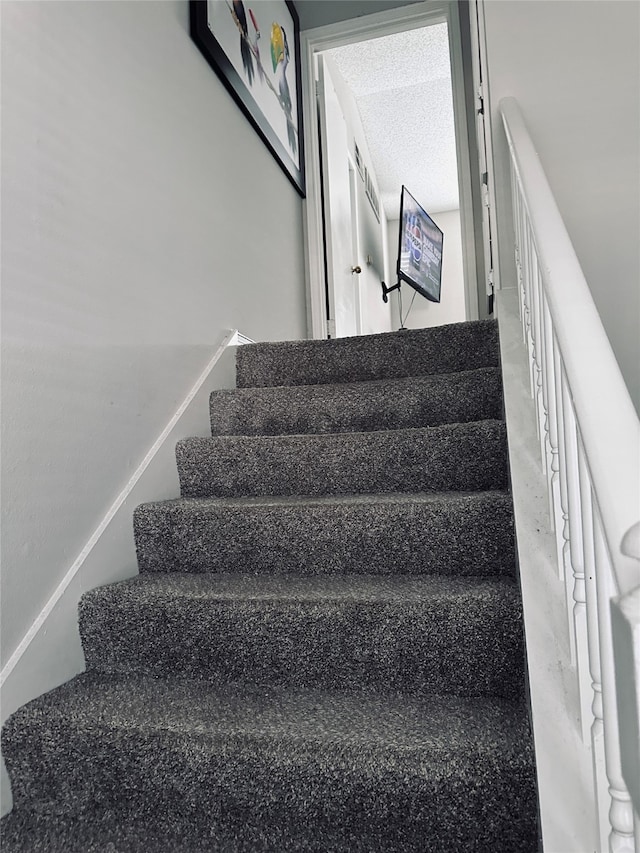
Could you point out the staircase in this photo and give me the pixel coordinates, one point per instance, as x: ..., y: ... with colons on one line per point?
x: 323, y: 650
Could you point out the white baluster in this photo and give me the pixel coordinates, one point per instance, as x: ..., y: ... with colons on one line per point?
x: 576, y: 598
x: 526, y: 290
x: 545, y: 442
x: 517, y: 226
x: 562, y: 520
x: 601, y: 787
x: 551, y: 423
x: 538, y: 352
x: 625, y: 636
x: 621, y: 818
x: 544, y: 388
x: 626, y: 644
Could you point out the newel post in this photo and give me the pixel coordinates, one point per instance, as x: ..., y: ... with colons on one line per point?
x: 621, y: 818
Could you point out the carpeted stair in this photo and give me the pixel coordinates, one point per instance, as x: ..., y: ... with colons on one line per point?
x: 323, y: 650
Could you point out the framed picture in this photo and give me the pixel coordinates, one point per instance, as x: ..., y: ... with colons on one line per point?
x: 254, y: 47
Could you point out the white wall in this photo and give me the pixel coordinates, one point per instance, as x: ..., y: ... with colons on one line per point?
x: 451, y: 308
x: 375, y: 314
x: 142, y: 215
x: 574, y: 66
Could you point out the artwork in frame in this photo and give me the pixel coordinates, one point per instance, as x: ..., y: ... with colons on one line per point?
x: 254, y: 47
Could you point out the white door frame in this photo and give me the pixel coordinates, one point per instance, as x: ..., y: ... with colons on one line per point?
x: 482, y: 105
x: 347, y: 32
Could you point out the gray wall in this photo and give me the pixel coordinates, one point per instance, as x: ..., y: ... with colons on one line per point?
x: 574, y: 68
x: 142, y: 215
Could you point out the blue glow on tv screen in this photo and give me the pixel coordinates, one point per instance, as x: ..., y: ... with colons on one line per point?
x: 420, y: 251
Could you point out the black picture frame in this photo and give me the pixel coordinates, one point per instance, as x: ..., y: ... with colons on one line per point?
x: 268, y: 92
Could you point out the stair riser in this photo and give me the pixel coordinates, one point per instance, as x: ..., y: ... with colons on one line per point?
x: 472, y: 535
x: 311, y: 801
x: 459, y: 647
x: 416, y: 402
x: 465, y: 457
x: 442, y: 349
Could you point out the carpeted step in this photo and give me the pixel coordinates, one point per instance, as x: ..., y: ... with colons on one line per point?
x: 240, y: 770
x: 323, y: 652
x: 391, y: 633
x: 471, y: 395
x: 451, y: 533
x: 455, y: 457
x: 441, y: 349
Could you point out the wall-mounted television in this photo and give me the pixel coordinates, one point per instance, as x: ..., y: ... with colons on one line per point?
x: 420, y: 249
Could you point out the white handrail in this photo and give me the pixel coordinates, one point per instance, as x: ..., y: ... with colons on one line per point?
x: 590, y: 444
x: 608, y: 422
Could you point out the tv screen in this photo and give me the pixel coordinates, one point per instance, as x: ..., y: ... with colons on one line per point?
x: 420, y: 251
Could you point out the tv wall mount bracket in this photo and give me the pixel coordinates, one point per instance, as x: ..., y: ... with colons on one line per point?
x: 386, y: 290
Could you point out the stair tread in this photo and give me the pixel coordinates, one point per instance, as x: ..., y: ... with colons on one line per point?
x: 438, y: 349
x: 409, y: 590
x: 378, y: 771
x: 422, y: 728
x: 129, y: 832
x: 327, y: 439
x: 381, y: 499
x: 324, y: 389
x: 411, y: 533
x: 399, y: 337
x: 466, y: 456
x: 415, y: 633
x: 351, y: 406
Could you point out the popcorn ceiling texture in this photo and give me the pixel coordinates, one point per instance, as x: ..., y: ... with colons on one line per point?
x: 401, y: 84
x: 323, y: 650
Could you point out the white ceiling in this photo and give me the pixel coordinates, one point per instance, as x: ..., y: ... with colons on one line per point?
x: 402, y: 87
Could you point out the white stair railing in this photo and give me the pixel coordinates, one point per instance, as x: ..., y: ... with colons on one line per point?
x: 590, y: 450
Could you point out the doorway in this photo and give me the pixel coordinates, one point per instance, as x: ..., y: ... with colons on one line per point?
x: 319, y: 41
x: 340, y: 210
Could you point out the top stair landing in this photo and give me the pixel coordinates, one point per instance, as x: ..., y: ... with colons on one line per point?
x: 391, y: 355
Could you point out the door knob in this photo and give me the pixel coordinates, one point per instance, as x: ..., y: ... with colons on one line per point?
x: 356, y: 270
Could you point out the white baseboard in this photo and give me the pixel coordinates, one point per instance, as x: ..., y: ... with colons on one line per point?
x: 239, y: 340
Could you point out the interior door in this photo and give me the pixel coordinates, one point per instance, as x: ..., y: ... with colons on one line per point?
x: 343, y: 303
x: 359, y: 264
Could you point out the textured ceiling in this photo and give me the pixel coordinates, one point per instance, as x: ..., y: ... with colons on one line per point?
x: 402, y: 87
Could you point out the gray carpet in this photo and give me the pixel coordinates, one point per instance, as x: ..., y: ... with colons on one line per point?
x: 447, y: 398
x: 323, y: 651
x: 459, y: 533
x: 413, y: 352
x: 463, y: 457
